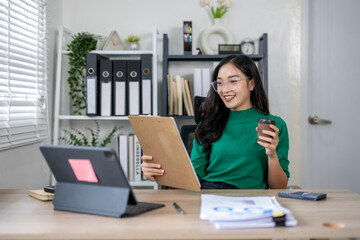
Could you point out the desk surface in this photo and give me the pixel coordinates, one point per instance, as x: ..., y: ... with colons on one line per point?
x: 23, y: 217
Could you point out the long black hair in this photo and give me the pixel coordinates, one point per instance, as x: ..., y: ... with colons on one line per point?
x: 213, y: 112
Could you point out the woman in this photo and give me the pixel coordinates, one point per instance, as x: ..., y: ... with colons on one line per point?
x: 226, y: 153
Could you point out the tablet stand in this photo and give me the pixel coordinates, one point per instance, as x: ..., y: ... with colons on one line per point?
x: 94, y: 199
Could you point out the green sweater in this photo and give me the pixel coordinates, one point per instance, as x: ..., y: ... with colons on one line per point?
x: 236, y: 158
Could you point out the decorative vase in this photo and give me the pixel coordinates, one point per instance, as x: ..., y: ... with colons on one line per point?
x: 211, y: 47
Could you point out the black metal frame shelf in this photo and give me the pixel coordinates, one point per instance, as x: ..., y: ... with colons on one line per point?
x: 206, y: 57
x: 261, y: 58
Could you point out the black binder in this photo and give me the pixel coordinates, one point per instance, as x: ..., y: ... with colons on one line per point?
x: 119, y: 88
x: 107, y: 193
x: 105, y: 87
x: 133, y: 77
x: 92, y: 83
x: 146, y: 82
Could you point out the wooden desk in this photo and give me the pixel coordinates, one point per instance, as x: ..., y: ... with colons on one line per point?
x: 23, y: 217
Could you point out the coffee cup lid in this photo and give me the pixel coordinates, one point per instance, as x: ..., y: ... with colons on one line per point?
x: 267, y: 121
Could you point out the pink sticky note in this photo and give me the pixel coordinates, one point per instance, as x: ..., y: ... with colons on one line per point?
x: 83, y: 170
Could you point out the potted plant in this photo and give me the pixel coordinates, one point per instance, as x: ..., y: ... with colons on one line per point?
x: 81, y: 44
x: 132, y: 42
x: 220, y: 10
x: 89, y: 137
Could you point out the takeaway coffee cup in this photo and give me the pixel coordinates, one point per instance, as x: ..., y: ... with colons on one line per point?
x: 263, y: 124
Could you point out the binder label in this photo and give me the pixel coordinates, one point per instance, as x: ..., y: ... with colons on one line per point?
x: 146, y: 96
x: 120, y: 98
x: 91, y: 95
x: 106, y: 99
x: 134, y: 98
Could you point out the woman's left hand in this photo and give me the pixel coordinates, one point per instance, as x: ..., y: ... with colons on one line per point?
x: 269, y: 143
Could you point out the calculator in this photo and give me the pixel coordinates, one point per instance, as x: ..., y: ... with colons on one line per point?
x: 302, y: 195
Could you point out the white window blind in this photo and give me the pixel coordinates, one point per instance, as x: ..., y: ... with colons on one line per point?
x: 23, y: 81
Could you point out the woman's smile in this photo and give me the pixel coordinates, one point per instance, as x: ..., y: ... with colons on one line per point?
x: 228, y: 98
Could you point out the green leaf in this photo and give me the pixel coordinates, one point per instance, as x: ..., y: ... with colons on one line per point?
x: 81, y: 44
x: 111, y: 135
x: 89, y: 137
x: 213, y: 11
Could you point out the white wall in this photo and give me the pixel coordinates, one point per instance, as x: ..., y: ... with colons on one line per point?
x: 281, y: 19
x: 247, y: 18
x: 24, y: 167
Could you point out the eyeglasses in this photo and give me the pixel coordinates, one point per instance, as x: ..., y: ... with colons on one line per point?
x: 232, y: 84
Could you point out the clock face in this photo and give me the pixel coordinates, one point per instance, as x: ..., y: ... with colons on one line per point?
x: 247, y: 48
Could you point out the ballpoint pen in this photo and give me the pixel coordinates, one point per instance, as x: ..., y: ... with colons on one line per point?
x: 178, y: 208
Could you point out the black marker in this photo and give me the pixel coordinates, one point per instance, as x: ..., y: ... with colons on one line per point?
x: 178, y: 208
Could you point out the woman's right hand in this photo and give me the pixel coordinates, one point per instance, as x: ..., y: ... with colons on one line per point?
x: 149, y: 168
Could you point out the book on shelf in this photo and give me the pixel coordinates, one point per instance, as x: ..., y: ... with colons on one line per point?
x: 137, y: 160
x: 184, y: 96
x: 197, y: 82
x: 123, y: 153
x: 206, y: 80
x: 180, y: 97
x: 131, y: 158
x: 215, y: 64
x: 175, y: 101
x: 189, y: 97
x: 227, y: 212
x: 130, y: 152
x: 143, y: 177
x: 170, y: 95
x: 202, y: 80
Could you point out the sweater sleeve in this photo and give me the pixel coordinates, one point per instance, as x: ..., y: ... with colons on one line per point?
x: 283, y: 146
x: 199, y: 159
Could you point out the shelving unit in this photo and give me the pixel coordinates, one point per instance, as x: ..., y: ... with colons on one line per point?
x: 62, y: 104
x: 261, y: 58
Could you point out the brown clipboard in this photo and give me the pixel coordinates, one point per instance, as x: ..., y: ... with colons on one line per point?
x: 159, y: 137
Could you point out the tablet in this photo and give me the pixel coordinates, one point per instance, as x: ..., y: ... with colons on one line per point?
x: 159, y: 137
x: 91, y: 180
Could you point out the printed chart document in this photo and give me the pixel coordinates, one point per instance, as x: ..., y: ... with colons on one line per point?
x: 244, y: 212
